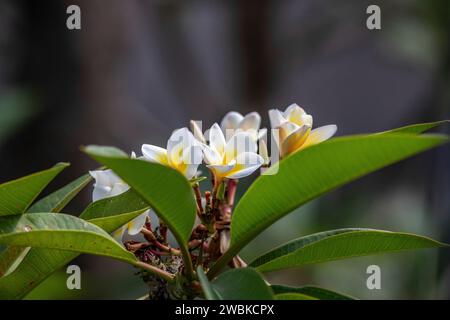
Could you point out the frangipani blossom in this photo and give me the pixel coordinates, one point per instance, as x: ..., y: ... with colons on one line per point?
x: 108, y: 184
x: 234, y: 159
x: 234, y: 122
x: 295, y: 133
x: 183, y: 153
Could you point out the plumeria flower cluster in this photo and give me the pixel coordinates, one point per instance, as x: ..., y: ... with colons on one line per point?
x: 232, y: 150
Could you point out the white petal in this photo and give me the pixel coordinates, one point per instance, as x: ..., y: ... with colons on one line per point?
x: 231, y: 121
x: 118, y: 234
x: 192, y: 158
x: 135, y: 226
x: 197, y: 131
x: 224, y: 240
x: 251, y: 121
x: 246, y: 164
x: 262, y: 150
x: 276, y: 118
x: 262, y: 133
x: 100, y: 192
x: 222, y: 170
x: 104, y: 183
x: 216, y: 139
x: 293, y: 109
x: 295, y: 140
x: 119, y: 188
x: 241, y: 142
x: 320, y: 134
x: 286, y: 129
x: 211, y: 156
x: 154, y: 153
x: 178, y: 141
x: 104, y: 177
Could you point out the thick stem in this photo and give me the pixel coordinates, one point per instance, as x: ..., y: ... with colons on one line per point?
x: 152, y: 269
x: 150, y: 236
x: 198, y: 198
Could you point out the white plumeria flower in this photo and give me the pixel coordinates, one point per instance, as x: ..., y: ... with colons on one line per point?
x: 183, y: 153
x: 234, y: 159
x: 234, y: 122
x: 108, y: 184
x: 295, y: 133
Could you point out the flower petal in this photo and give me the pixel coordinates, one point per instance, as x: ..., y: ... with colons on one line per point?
x: 293, y: 109
x: 262, y: 133
x: 211, y: 156
x: 295, y: 140
x: 192, y: 158
x: 216, y: 139
x: 276, y: 118
x: 118, y: 234
x: 154, y: 153
x: 286, y: 129
x: 197, y: 131
x: 320, y: 134
x: 222, y: 169
x: 231, y: 121
x: 251, y: 121
x: 239, y: 143
x: 104, y: 184
x: 262, y: 150
x: 118, y: 188
x: 298, y: 116
x: 100, y: 192
x: 246, y: 164
x: 135, y: 226
x: 178, y: 141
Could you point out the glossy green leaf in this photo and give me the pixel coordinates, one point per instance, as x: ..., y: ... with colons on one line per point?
x: 242, y: 284
x: 10, y: 259
x: 17, y: 195
x: 312, y: 172
x: 60, y: 231
x: 56, y: 201
x: 41, y: 263
x: 208, y: 290
x: 126, y: 202
x: 417, y: 128
x: 339, y: 244
x: 293, y: 296
x: 167, y: 191
x: 311, y: 291
x: 110, y: 222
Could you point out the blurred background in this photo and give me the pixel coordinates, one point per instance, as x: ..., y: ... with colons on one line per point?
x: 139, y: 69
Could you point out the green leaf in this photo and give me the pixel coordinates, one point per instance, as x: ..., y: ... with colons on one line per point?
x: 208, y: 290
x: 40, y: 263
x: 339, y: 244
x: 312, y: 172
x: 293, y: 296
x: 311, y: 291
x: 60, y: 231
x: 106, y: 223
x: 17, y: 195
x: 54, y: 202
x: 167, y: 191
x: 416, y: 128
x: 57, y: 200
x: 242, y: 284
x: 126, y: 202
x: 10, y: 258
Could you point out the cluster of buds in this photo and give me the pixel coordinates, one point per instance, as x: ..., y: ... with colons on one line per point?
x: 234, y: 150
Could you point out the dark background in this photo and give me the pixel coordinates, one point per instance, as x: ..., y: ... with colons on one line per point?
x: 139, y: 69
